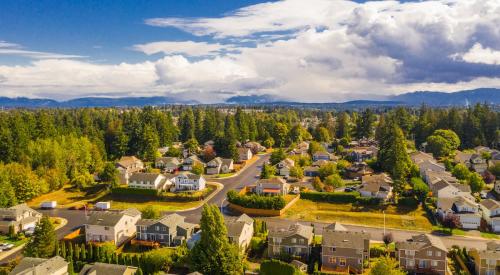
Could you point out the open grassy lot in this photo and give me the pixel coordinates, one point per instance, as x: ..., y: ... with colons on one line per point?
x: 68, y: 196
x: 141, y: 202
x: 396, y: 217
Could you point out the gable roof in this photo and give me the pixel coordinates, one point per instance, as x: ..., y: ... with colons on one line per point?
x: 294, y: 229
x: 127, y: 161
x: 275, y: 180
x: 420, y: 156
x: 189, y: 175
x: 17, y: 210
x: 376, y: 183
x: 462, y: 157
x: 110, y: 218
x: 107, y: 269
x: 490, y: 204
x: 168, y: 160
x: 345, y: 239
x: 235, y: 225
x: 421, y: 241
x: 336, y: 226
x: 39, y: 266
x: 145, y: 176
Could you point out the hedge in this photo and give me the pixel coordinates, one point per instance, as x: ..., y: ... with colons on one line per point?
x: 352, y: 197
x: 256, y: 201
x: 275, y: 267
x: 134, y: 191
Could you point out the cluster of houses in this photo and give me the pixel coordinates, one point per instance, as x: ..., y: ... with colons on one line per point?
x: 455, y: 198
x: 18, y: 218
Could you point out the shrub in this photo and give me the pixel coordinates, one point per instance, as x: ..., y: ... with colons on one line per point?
x: 134, y: 191
x: 377, y: 251
x: 408, y: 202
x: 275, y: 267
x: 256, y: 201
x: 330, y: 197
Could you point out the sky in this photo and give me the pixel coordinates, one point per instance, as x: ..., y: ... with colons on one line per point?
x: 210, y: 50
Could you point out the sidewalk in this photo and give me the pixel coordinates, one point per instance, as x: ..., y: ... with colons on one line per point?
x: 220, y: 186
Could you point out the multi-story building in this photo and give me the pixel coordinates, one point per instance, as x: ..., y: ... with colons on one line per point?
x: 18, y: 218
x: 376, y: 186
x: 219, y: 165
x: 273, y: 186
x: 111, y: 226
x: 128, y: 165
x: 168, y: 164
x: 295, y: 240
x: 187, y: 181
x: 38, y: 266
x: 154, y: 181
x: 240, y: 230
x: 343, y: 250
x: 487, y: 262
x: 422, y: 254
x: 491, y: 213
x: 107, y: 269
x: 169, y: 230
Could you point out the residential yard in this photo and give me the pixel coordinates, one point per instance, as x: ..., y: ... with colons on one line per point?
x: 140, y: 204
x: 68, y: 197
x: 14, y: 241
x: 396, y: 217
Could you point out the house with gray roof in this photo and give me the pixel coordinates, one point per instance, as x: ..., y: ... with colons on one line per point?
x: 284, y: 167
x: 491, y: 213
x: 168, y: 164
x: 465, y: 209
x: 126, y: 166
x: 187, y: 181
x: 189, y: 162
x: 273, y: 186
x: 376, y: 186
x: 343, y: 250
x: 107, y: 269
x: 169, y: 230
x: 220, y: 165
x: 19, y: 217
x: 155, y: 181
x: 295, y: 240
x: 38, y: 266
x: 487, y: 261
x: 111, y: 226
x: 240, y: 230
x: 422, y: 253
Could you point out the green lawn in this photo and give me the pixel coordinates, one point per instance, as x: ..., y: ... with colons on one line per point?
x: 221, y: 176
x: 68, y: 196
x: 444, y: 230
x: 16, y: 242
x: 488, y: 235
x: 396, y: 217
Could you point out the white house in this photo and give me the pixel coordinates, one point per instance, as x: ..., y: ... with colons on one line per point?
x: 111, y: 226
x: 466, y: 210
x: 240, y: 230
x: 128, y: 165
x: 154, y: 181
x: 443, y: 189
x: 285, y: 166
x: 187, y: 181
x: 273, y: 186
x: 219, y: 165
x: 168, y: 164
x: 376, y: 186
x: 491, y: 213
x: 244, y: 154
x: 189, y: 162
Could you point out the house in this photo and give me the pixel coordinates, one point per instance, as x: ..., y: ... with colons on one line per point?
x: 19, y: 217
x: 463, y: 158
x: 466, y: 210
x: 358, y: 170
x: 153, y: 181
x: 343, y: 250
x: 321, y: 156
x: 283, y: 167
x: 272, y: 186
x: 497, y: 187
x: 189, y: 162
x: 429, y: 165
x: 478, y: 163
x: 219, y: 165
x: 376, y: 186
x: 240, y: 230
x: 360, y: 154
x: 38, y: 266
x: 311, y: 171
x: 491, y: 213
x: 187, y: 181
x: 244, y: 154
x: 486, y: 262
x: 295, y: 240
x: 422, y: 253
x: 128, y: 165
x: 255, y: 147
x: 168, y: 164
x: 444, y: 189
x: 433, y: 177
x: 107, y: 269
x: 111, y: 226
x: 419, y: 156
x: 169, y: 230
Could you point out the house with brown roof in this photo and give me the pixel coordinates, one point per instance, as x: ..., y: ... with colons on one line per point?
x: 466, y: 210
x: 169, y: 230
x: 155, y: 181
x: 360, y: 153
x: 478, y: 163
x: 321, y: 156
x: 295, y: 240
x: 283, y: 167
x: 444, y: 189
x: 219, y: 165
x: 491, y: 213
x: 244, y: 154
x: 463, y: 158
x: 111, y: 226
x: 128, y: 165
x: 376, y: 186
x: 343, y: 250
x: 240, y: 230
x: 358, y: 170
x: 19, y: 217
x: 39, y: 266
x: 168, y: 164
x: 107, y: 269
x: 272, y: 186
x: 486, y: 262
x: 432, y: 177
x: 189, y: 162
x: 422, y: 253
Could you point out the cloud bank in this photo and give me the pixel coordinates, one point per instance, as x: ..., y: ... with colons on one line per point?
x: 316, y: 50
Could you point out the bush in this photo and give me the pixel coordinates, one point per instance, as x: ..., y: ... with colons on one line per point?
x: 257, y: 244
x: 408, y: 202
x: 275, y: 267
x: 256, y: 201
x: 377, y: 251
x: 330, y: 197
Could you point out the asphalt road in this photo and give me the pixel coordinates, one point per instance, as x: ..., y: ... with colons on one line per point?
x: 247, y: 177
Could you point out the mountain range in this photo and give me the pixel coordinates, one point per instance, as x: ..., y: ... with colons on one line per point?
x: 438, y: 99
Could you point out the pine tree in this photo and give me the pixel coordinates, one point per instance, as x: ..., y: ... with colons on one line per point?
x: 187, y: 124
x: 150, y: 143
x: 213, y: 254
x: 63, y: 249
x: 43, y: 242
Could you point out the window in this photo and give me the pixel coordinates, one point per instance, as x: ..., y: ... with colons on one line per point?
x: 438, y: 253
x: 157, y: 228
x: 332, y: 249
x: 332, y: 260
x: 294, y: 240
x: 360, y: 261
x: 106, y: 228
x: 434, y: 263
x: 342, y: 262
x: 410, y: 262
x: 429, y: 253
x: 410, y: 252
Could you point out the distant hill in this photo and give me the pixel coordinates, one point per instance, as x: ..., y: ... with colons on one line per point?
x: 462, y: 98
x: 23, y: 102
x: 254, y: 99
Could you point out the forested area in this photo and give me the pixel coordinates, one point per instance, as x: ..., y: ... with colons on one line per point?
x: 42, y: 150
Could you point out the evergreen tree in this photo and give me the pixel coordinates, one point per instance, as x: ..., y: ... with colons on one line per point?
x: 386, y: 266
x: 150, y: 143
x: 43, y: 242
x: 214, y: 254
x: 187, y: 125
x: 343, y: 127
x: 393, y: 156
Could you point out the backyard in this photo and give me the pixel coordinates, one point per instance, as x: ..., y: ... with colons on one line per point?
x: 69, y: 196
x: 396, y: 217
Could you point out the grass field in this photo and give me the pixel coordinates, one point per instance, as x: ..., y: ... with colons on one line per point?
x: 396, y: 217
x: 67, y: 197
x: 140, y: 204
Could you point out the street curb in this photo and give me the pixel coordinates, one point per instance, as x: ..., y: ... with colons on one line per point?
x: 244, y: 168
x: 219, y: 185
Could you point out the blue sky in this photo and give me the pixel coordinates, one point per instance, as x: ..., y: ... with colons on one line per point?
x: 314, y: 50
